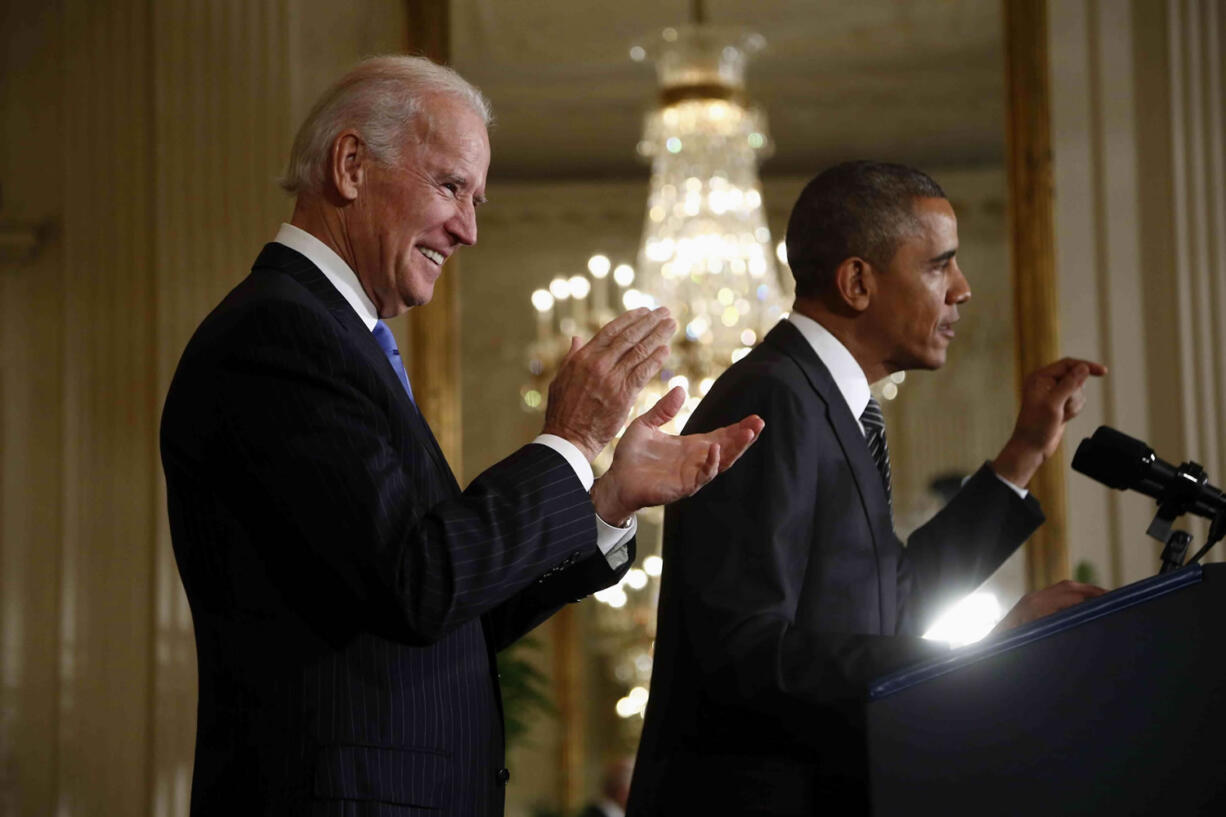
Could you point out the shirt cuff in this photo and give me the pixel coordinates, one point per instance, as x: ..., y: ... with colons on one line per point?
x: 610, y: 539
x: 1021, y: 492
x: 582, y: 468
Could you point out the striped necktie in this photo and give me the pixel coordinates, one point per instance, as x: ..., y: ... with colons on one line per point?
x: 383, y: 336
x: 874, y: 434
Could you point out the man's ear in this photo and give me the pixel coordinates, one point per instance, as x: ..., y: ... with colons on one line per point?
x: 854, y: 283
x: 347, y: 165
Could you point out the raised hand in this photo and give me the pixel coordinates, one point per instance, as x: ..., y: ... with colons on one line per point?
x: 653, y: 468
x: 1051, y: 396
x: 1044, y: 602
x: 598, y: 382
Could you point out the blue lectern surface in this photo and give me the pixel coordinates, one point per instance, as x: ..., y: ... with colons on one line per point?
x: 1117, y: 706
x: 1105, y: 605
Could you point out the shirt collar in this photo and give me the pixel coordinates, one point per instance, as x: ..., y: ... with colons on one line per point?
x: 847, y: 374
x: 334, y: 268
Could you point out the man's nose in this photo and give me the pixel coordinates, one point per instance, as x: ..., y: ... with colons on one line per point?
x: 463, y: 225
x: 960, y: 289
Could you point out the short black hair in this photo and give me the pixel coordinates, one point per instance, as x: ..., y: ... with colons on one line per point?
x: 859, y: 208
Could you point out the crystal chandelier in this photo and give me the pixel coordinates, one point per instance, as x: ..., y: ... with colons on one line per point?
x: 706, y: 254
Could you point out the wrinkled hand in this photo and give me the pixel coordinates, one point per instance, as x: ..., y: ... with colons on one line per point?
x: 1051, y: 396
x: 598, y: 382
x: 653, y: 468
x: 1047, y: 601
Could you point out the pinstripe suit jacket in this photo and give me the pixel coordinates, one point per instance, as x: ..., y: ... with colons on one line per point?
x: 347, y: 597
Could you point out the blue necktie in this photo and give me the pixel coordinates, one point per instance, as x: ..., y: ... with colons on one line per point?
x: 383, y: 336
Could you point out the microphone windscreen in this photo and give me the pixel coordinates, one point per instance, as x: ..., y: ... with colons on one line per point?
x: 1114, y: 459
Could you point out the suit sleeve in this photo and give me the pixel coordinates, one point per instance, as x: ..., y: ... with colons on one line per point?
x: 961, y: 546
x: 303, y: 442
x: 739, y: 552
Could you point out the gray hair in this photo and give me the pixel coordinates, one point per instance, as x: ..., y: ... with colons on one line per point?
x: 853, y: 209
x: 380, y: 99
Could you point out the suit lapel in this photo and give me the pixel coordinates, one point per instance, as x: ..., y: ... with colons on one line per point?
x: 293, y: 263
x: 788, y: 339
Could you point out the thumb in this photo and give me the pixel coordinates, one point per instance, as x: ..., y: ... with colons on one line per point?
x: 1071, y: 382
x: 665, y: 409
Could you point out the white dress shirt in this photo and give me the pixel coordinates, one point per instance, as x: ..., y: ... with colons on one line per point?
x: 847, y: 374
x: 611, y: 540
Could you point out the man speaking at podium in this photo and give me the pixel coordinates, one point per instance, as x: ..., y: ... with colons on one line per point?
x: 785, y: 589
x: 347, y: 596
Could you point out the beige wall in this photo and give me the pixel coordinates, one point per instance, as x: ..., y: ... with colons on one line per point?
x: 1137, y: 104
x: 147, y: 136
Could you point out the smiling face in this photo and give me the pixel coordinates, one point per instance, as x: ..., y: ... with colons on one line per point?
x: 409, y: 218
x: 914, y: 304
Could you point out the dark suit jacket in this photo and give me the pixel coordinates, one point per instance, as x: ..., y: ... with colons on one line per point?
x: 347, y: 597
x: 785, y: 590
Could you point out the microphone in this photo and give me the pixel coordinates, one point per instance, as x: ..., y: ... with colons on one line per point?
x: 1122, y: 462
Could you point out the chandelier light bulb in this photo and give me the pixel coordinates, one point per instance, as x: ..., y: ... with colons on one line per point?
x: 579, y: 286
x: 598, y: 265
x: 542, y: 300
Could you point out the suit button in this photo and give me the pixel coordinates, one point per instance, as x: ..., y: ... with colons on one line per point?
x: 503, y: 776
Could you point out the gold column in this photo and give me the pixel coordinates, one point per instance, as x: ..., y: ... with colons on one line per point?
x: 1032, y: 249
x: 433, y: 330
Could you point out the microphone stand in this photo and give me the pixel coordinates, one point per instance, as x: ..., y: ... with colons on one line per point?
x: 1179, y: 496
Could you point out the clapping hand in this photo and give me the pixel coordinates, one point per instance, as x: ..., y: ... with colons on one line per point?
x: 598, y: 382
x: 653, y: 468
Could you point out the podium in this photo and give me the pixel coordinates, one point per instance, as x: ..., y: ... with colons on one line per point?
x: 1116, y: 706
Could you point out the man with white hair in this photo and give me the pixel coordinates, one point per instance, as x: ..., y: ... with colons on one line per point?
x: 348, y: 597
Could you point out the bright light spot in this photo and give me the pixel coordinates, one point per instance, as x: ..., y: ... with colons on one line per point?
x: 757, y: 266
x: 639, y: 696
x: 705, y: 385
x: 749, y: 337
x: 624, y: 274
x: 669, y: 35
x: 726, y: 296
x: 756, y: 140
x: 967, y: 621
x: 560, y: 288
x: 542, y: 300
x: 636, y: 578
x: 898, y: 377
x: 617, y: 598
x: 532, y: 398
x: 737, y: 354
x: 682, y: 381
x: 598, y: 265
x: 633, y: 299
x: 693, y: 184
x: 889, y: 391
x: 625, y: 708
x: 653, y: 565
x: 730, y: 316
x: 673, y: 144
x: 781, y: 252
x: 656, y: 213
x: 579, y: 286
x: 642, y: 663
x: 697, y: 327
x: 638, y: 53
x: 753, y: 200
x: 761, y: 235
